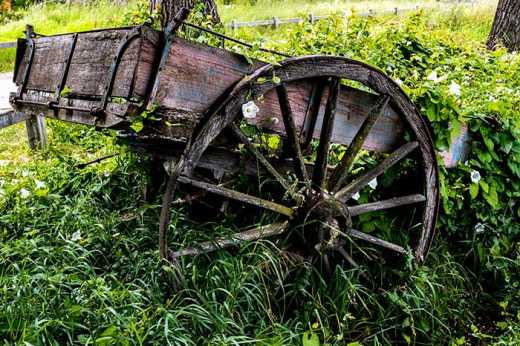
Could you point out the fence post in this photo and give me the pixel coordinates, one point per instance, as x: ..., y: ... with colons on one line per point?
x: 312, y: 19
x: 276, y: 22
x: 395, y: 11
x: 234, y: 25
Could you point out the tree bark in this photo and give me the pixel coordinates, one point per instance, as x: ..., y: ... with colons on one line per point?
x: 171, y: 7
x: 6, y: 5
x: 506, y: 26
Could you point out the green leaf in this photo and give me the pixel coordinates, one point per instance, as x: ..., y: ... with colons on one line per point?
x: 276, y: 80
x: 492, y: 197
x: 137, y: 126
x: 484, y: 185
x: 65, y: 91
x: 473, y: 191
x: 310, y: 339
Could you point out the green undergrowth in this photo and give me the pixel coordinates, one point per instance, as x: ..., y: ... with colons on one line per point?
x: 78, y: 247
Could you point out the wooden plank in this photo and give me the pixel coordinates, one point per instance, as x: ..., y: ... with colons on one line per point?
x: 91, y: 61
x: 114, y: 118
x: 11, y: 118
x: 233, y: 240
x: 353, y: 108
x: 7, y: 45
x: 196, y: 76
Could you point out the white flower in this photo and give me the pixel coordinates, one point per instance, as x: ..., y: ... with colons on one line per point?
x: 4, y: 163
x: 455, y: 88
x: 24, y: 193
x: 479, y: 228
x: 76, y: 236
x: 433, y: 77
x: 250, y: 110
x: 355, y: 196
x: 373, y: 183
x: 40, y: 184
x: 475, y: 176
x: 2, y: 182
x: 399, y: 82
x: 25, y: 174
x: 2, y: 192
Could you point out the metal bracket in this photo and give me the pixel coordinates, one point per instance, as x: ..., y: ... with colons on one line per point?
x: 169, y: 35
x: 109, y: 83
x: 29, y: 34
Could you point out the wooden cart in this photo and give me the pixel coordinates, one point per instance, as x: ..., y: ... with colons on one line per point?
x: 295, y: 129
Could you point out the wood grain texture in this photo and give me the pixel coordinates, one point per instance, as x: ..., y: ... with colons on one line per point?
x: 197, y: 76
x: 11, y: 118
x: 91, y: 61
x: 114, y: 118
x: 233, y: 240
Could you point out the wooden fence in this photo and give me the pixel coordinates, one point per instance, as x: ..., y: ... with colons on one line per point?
x: 276, y: 22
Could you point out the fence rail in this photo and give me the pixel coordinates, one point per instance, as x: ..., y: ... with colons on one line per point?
x: 275, y: 21
x: 7, y: 45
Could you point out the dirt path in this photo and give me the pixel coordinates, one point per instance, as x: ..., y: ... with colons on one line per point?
x: 6, y: 87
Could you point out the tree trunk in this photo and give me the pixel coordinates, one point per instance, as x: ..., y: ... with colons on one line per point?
x: 506, y: 26
x: 170, y: 7
x: 6, y: 6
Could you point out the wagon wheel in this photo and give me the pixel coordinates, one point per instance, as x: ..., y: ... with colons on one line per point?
x: 317, y: 204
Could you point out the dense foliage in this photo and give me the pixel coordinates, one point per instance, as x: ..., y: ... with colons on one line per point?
x: 78, y: 257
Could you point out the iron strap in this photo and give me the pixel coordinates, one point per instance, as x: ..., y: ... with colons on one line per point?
x: 29, y: 34
x: 169, y: 35
x: 65, y: 71
x: 109, y: 83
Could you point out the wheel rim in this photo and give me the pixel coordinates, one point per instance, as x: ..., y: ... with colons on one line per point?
x: 327, y: 189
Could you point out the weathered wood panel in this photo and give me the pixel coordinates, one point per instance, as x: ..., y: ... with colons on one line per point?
x: 114, y: 117
x: 353, y: 107
x: 11, y: 118
x: 196, y: 76
x: 91, y: 62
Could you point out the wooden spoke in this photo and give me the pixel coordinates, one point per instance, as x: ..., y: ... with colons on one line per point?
x: 322, y: 156
x: 376, y: 241
x: 341, y: 171
x: 313, y: 111
x: 260, y: 157
x: 292, y: 135
x: 239, y: 196
x: 234, y: 240
x: 385, y: 204
x: 353, y: 187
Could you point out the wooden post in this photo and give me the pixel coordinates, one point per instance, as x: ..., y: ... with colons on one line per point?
x: 41, y: 130
x: 31, y: 132
x: 36, y: 132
